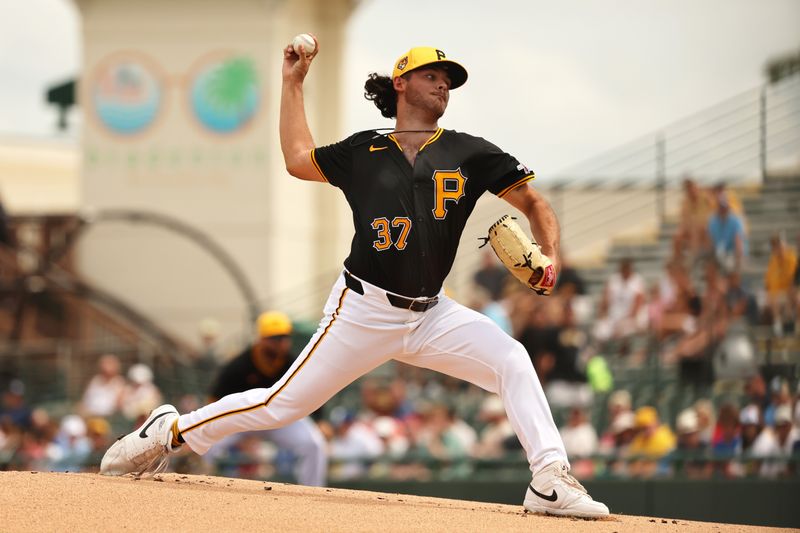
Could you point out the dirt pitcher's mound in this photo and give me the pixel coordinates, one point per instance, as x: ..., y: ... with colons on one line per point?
x: 31, y: 501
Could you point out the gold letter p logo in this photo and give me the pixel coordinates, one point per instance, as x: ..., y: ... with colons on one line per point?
x: 448, y: 185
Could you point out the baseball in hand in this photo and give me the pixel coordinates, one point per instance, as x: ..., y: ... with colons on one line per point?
x: 307, y: 41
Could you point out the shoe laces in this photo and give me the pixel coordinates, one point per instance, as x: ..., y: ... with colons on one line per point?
x: 567, y: 478
x: 156, y: 465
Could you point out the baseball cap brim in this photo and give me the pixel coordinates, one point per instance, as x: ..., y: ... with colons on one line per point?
x: 457, y: 73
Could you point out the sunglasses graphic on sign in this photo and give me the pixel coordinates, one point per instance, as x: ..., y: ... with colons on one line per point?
x: 127, y: 92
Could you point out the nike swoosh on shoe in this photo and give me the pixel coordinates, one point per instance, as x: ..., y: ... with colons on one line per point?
x: 143, y: 432
x: 551, y: 498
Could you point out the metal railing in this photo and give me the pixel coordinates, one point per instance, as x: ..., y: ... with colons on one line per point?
x: 733, y: 140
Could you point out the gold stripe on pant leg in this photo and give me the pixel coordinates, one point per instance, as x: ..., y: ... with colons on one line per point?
x: 268, y: 400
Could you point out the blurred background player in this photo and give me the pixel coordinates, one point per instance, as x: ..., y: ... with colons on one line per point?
x: 260, y: 365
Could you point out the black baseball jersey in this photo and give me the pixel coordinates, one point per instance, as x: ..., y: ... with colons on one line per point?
x: 408, y: 220
x: 243, y: 373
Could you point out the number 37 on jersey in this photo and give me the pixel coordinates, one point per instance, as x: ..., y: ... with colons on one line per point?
x: 448, y: 187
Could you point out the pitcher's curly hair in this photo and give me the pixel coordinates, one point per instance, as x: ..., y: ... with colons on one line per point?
x: 380, y: 90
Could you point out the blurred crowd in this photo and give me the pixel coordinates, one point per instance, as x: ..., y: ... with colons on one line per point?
x: 416, y: 425
x: 35, y: 438
x: 729, y: 416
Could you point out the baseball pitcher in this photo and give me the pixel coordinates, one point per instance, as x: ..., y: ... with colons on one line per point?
x: 411, y: 192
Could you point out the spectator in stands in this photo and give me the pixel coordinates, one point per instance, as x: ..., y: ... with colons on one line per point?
x: 382, y: 398
x: 775, y: 446
x: 579, y: 436
x: 444, y: 436
x: 619, y: 403
x: 721, y: 192
x: 751, y: 423
x: 71, y: 448
x: 537, y: 336
x: 678, y: 300
x: 622, y: 310
x: 353, y: 444
x: 779, y: 394
x: 727, y: 236
x: 740, y: 301
x: 669, y: 306
x: 706, y: 419
x: 250, y: 457
x: 103, y: 393
x: 756, y: 392
x: 521, y: 304
x: 653, y: 441
x: 779, y: 283
x: 674, y: 283
x: 98, y: 431
x: 396, y: 444
x: 492, y: 276
x: 10, y: 442
x: 696, y: 207
x: 568, y: 385
x: 393, y: 435
x: 482, y: 302
x: 140, y: 395
x: 580, y: 442
x: 35, y: 442
x: 727, y: 440
x: 709, y: 324
x: 691, y: 455
x: 572, y: 289
x: 497, y: 429
x: 403, y: 402
x: 624, y: 430
x: 570, y: 282
x: 14, y: 408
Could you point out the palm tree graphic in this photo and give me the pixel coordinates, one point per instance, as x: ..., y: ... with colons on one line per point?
x: 230, y: 85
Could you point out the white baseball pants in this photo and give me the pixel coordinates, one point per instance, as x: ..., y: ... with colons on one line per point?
x: 360, y: 332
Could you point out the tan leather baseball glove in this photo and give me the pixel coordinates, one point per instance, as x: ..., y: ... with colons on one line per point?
x: 523, y: 257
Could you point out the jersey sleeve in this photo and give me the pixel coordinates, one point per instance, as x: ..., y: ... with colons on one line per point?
x: 502, y: 172
x: 334, y: 162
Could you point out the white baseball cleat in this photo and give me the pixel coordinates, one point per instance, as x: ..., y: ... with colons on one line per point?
x: 144, y: 451
x: 554, y: 491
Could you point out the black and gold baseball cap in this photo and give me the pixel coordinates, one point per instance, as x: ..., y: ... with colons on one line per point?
x: 423, y: 56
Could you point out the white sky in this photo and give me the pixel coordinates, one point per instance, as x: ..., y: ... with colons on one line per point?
x: 552, y: 82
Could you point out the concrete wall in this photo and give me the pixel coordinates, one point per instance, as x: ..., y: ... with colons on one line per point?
x: 181, y: 106
x: 39, y: 176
